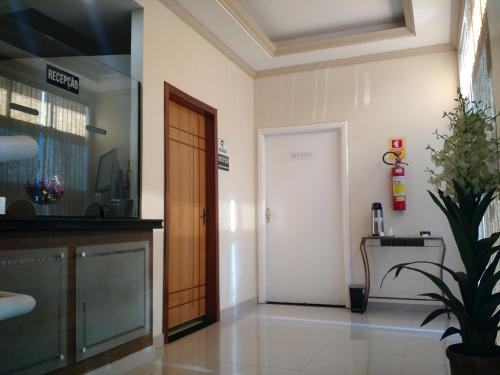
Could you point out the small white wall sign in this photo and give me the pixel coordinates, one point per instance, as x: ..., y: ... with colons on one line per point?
x: 223, y: 154
x: 222, y: 146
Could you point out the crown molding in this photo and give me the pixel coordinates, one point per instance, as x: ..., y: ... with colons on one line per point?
x: 185, y: 16
x: 356, y: 60
x: 336, y: 40
x: 409, y: 19
x: 318, y: 42
x: 242, y: 18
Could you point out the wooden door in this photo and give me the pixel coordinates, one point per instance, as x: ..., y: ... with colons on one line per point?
x: 187, y: 188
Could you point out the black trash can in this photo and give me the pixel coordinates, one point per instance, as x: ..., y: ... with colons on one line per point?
x: 357, y: 294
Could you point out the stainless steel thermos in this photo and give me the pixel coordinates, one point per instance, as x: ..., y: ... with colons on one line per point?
x: 377, y: 219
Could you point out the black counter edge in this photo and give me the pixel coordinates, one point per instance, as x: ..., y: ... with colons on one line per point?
x: 77, y: 224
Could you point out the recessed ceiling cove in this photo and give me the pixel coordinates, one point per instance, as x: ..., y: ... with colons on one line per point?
x: 285, y: 20
x: 274, y: 34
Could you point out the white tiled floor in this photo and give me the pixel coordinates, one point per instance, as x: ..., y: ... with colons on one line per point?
x: 287, y: 340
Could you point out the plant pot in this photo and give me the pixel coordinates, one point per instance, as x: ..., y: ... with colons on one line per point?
x: 461, y: 364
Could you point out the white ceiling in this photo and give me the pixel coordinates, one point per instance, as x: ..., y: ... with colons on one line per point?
x: 288, y: 18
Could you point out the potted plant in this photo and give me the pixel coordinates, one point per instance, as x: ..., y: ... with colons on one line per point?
x: 467, y: 180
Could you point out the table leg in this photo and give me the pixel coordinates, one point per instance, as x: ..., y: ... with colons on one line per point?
x: 366, y: 267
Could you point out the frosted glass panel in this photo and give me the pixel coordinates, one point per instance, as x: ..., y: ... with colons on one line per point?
x: 112, y: 296
x: 35, y: 343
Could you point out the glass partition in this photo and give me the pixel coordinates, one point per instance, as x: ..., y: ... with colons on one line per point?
x: 78, y: 120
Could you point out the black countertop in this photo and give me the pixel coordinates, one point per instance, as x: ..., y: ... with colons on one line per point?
x: 55, y: 223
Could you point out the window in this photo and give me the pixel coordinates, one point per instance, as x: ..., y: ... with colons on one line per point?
x: 475, y: 77
x: 59, y: 128
x: 53, y: 111
x: 3, y: 97
x: 473, y: 34
x: 475, y: 81
x: 68, y: 116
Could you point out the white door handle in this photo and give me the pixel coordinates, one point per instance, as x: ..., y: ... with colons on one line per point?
x: 269, y: 213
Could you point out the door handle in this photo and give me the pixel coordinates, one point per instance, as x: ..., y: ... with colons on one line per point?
x: 204, y: 216
x: 268, y: 215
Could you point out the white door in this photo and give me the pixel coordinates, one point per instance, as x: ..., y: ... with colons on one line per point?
x: 305, y: 260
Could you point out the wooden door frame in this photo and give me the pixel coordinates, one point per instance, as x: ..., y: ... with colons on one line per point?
x: 212, y: 227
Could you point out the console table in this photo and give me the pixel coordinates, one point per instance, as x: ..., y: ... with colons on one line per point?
x: 397, y: 242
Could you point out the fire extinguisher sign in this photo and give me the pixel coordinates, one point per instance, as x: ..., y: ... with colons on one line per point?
x: 398, y: 146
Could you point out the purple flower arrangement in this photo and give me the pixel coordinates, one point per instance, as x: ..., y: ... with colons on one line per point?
x: 46, y: 191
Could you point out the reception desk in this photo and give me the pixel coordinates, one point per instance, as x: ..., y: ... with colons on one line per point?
x: 92, y: 283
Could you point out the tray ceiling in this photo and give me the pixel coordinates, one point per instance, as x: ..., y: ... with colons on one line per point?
x: 283, y: 20
x: 267, y: 36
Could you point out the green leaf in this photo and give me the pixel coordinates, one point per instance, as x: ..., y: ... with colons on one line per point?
x: 495, y: 319
x: 465, y: 201
x: 400, y: 266
x: 490, y: 270
x: 467, y: 289
x: 488, y: 242
x: 481, y: 209
x: 433, y: 315
x: 450, y: 331
x: 436, y: 280
x: 465, y: 249
x: 462, y: 315
x: 486, y: 311
x: 485, y: 256
x: 463, y: 242
x: 438, y: 203
x: 485, y: 290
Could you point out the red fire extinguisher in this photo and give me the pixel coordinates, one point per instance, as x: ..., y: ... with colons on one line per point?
x: 398, y: 181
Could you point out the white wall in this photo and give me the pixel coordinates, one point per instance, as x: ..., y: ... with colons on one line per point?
x: 175, y: 53
x: 401, y: 97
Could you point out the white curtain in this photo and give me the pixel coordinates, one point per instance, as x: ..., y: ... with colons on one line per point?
x: 475, y: 78
x: 475, y: 81
x: 59, y: 129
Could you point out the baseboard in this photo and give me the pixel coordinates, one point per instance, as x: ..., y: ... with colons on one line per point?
x: 400, y: 306
x: 306, y: 304
x: 159, y: 341
x: 232, y: 311
x: 187, y: 331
